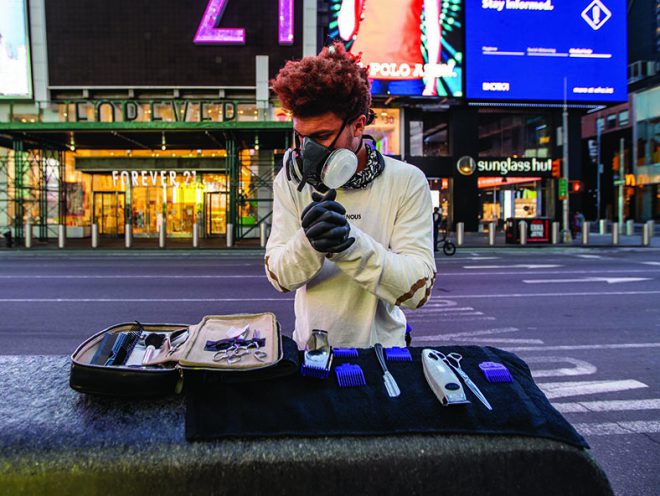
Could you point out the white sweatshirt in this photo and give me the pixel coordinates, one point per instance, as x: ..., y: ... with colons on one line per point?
x: 356, y: 295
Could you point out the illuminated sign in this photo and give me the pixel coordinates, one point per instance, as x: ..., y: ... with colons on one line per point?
x: 210, y: 32
x: 15, y: 71
x: 511, y: 166
x: 546, y: 50
x: 170, y: 43
x: 154, y: 178
x: 412, y: 47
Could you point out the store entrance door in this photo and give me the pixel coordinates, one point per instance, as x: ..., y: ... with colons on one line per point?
x: 109, y: 213
x: 216, y: 213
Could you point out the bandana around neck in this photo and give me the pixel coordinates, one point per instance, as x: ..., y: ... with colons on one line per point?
x: 370, y: 172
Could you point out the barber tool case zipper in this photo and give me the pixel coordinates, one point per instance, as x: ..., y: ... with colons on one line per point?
x: 184, y: 351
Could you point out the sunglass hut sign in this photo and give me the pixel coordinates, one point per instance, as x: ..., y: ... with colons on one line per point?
x: 515, y: 167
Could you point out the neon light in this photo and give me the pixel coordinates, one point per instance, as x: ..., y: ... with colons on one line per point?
x: 207, y: 32
x: 285, y: 24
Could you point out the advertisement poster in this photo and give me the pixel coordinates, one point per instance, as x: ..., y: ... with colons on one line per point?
x: 15, y: 73
x: 412, y: 47
x: 545, y: 50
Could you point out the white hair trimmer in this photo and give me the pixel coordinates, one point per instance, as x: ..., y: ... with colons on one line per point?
x: 444, y: 383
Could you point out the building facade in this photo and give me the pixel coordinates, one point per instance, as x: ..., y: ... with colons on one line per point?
x: 162, y: 115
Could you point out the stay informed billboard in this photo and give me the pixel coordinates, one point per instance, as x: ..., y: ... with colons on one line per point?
x: 412, y: 47
x: 15, y: 71
x: 542, y: 50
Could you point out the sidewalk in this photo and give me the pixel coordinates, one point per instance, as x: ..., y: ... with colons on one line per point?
x: 217, y: 246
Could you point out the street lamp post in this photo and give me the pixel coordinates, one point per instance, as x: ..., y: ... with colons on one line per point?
x: 566, y: 232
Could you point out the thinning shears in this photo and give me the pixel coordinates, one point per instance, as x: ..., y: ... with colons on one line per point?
x: 457, y: 357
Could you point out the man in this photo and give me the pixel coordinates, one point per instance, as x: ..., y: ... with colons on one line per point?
x: 436, y: 227
x: 358, y: 253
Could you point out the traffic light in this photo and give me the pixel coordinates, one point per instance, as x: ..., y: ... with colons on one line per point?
x: 576, y: 186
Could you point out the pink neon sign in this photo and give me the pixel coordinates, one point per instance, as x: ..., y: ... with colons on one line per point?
x: 208, y: 31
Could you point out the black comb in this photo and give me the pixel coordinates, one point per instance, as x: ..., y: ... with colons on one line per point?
x: 124, y: 345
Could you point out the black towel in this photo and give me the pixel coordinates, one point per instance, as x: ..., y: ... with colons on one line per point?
x: 303, y: 406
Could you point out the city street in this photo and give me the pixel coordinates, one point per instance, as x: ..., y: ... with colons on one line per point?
x: 587, y: 321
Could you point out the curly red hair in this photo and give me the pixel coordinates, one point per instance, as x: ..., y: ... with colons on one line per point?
x: 331, y: 81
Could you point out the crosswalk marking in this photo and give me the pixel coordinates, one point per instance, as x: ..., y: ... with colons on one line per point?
x: 578, y: 388
x: 607, y: 406
x: 624, y: 427
x: 580, y: 367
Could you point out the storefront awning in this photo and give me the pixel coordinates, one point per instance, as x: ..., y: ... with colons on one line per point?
x: 146, y: 135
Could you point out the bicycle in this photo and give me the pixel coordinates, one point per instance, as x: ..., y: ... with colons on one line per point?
x: 448, y: 248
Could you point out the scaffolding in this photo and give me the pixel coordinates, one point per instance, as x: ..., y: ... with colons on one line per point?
x: 32, y: 190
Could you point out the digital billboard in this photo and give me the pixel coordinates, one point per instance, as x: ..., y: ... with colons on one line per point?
x: 525, y: 50
x: 182, y: 43
x: 412, y: 47
x: 15, y: 72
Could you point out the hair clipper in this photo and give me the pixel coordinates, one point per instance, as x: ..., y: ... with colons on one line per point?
x: 444, y: 383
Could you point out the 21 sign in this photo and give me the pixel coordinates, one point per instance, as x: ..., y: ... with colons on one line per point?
x: 209, y: 32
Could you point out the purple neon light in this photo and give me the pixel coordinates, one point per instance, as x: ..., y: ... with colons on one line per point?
x: 285, y: 22
x: 207, y: 32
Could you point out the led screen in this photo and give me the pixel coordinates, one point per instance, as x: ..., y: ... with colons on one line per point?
x: 412, y: 47
x: 15, y: 76
x: 525, y: 50
x: 186, y: 43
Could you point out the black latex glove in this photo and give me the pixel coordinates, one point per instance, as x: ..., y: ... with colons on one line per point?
x: 325, y: 225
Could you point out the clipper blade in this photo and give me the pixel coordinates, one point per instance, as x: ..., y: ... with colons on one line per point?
x: 397, y: 353
x: 495, y: 372
x: 345, y: 352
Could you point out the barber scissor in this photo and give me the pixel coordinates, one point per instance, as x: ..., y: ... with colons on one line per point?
x: 457, y: 357
x: 235, y: 353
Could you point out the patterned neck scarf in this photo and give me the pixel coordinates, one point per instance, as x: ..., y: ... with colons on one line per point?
x: 370, y: 172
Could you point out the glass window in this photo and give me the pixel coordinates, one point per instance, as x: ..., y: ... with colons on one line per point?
x: 429, y: 137
x: 518, y: 135
x: 386, y: 130
x: 623, y: 118
x: 611, y: 121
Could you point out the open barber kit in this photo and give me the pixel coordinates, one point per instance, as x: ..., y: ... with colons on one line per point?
x: 138, y: 360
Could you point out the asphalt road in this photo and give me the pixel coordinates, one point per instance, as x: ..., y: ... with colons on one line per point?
x: 586, y: 320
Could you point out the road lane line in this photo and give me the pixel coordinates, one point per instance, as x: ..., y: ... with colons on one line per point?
x: 443, y: 308
x: 608, y: 280
x: 193, y: 276
x: 134, y: 300
x: 578, y: 388
x: 479, y: 340
x: 565, y: 294
x: 611, y: 428
x: 132, y: 276
x: 607, y: 406
x: 513, y: 295
x: 515, y: 266
x: 586, y: 347
x: 485, y: 332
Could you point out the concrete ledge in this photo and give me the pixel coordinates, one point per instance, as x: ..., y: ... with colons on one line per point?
x: 56, y: 441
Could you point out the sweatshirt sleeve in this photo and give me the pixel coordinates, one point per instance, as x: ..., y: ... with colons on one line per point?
x: 290, y: 259
x: 404, y: 274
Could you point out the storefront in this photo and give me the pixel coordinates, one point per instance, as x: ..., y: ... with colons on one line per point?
x: 154, y: 169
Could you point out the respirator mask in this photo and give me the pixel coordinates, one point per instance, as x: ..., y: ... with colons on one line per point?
x: 322, y: 167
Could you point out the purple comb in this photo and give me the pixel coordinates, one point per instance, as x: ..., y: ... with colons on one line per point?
x: 345, y: 352
x: 398, y: 354
x: 350, y: 375
x: 495, y: 372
